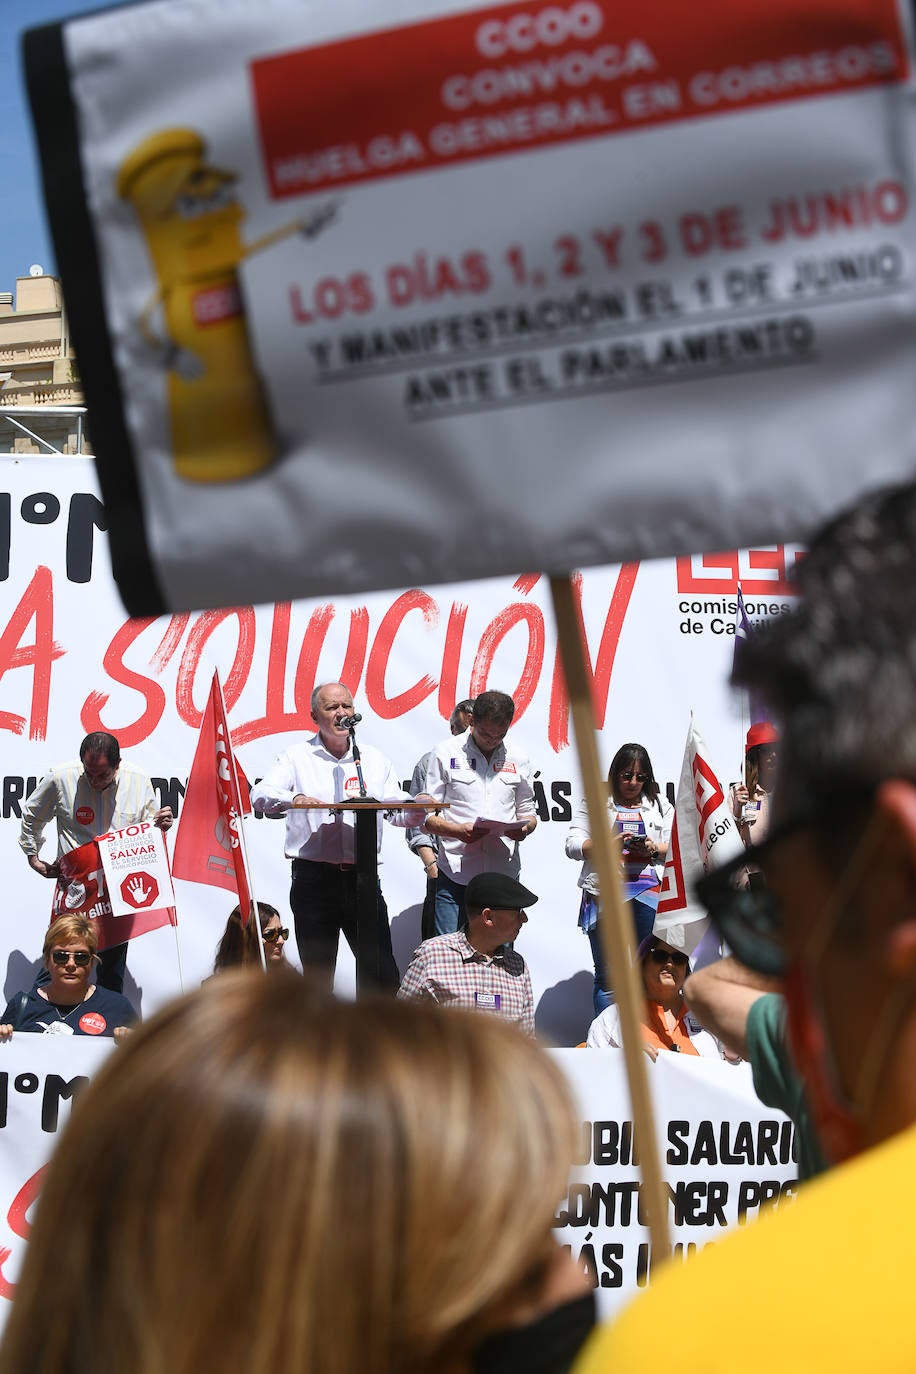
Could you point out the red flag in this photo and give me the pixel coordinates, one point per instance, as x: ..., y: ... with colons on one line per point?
x: 81, y: 891
x: 208, y: 848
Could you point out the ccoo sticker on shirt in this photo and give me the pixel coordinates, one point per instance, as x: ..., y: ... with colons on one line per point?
x: 489, y: 1001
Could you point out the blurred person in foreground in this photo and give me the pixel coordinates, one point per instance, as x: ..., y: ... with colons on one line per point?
x: 271, y: 1181
x: 746, y: 1012
x: 665, y: 1022
x: 67, y: 1003
x: 825, y: 1283
x: 238, y: 947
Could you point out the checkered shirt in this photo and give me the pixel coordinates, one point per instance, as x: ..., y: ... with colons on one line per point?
x: 450, y: 971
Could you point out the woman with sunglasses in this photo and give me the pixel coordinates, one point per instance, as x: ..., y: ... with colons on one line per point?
x: 239, y: 946
x: 750, y: 800
x: 643, y: 817
x: 68, y: 1004
x: 666, y: 1023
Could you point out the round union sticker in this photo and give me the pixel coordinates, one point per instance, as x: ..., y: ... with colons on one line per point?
x: 85, y: 815
x: 351, y: 786
x: 93, y: 1023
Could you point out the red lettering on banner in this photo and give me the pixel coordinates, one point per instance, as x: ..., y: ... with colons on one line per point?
x: 355, y: 657
x: 492, y: 637
x: 558, y: 719
x: 360, y: 658
x: 36, y: 603
x: 117, y: 670
x: 385, y: 707
x: 540, y: 77
x: 276, y: 720
x: 237, y: 676
x: 309, y: 654
x: 449, y: 695
x: 16, y: 1220
x: 169, y: 641
x: 693, y: 571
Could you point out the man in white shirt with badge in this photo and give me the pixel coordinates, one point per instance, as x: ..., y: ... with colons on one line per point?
x: 91, y: 797
x: 487, y: 783
x: 322, y: 844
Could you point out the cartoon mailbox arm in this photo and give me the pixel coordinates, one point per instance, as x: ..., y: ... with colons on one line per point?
x: 190, y: 217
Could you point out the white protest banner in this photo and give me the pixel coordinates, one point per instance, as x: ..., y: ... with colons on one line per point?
x: 136, y: 867
x: 703, y: 835
x: 660, y: 637
x: 39, y: 1079
x: 369, y: 296
x: 724, y: 1157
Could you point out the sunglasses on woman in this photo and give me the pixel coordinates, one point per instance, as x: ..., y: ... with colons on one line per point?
x: 62, y: 957
x: 271, y: 937
x: 633, y: 777
x: 666, y: 956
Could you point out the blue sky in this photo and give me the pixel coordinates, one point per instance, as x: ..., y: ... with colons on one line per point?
x: 24, y: 236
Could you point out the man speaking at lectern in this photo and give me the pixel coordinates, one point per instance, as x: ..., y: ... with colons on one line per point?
x: 322, y: 844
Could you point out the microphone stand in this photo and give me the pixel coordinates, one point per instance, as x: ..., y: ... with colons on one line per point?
x: 363, y: 794
x: 368, y: 965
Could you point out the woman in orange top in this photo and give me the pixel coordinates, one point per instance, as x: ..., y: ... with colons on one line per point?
x: 666, y: 1022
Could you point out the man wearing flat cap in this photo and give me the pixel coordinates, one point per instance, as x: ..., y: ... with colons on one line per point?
x: 475, y: 967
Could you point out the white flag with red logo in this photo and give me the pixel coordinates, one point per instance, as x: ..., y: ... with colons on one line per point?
x: 209, y: 847
x: 81, y: 890
x: 136, y: 866
x: 703, y: 836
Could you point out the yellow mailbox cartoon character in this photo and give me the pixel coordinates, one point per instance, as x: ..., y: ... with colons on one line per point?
x: 221, y: 430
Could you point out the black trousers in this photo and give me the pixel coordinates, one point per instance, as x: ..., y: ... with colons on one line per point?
x: 323, y: 902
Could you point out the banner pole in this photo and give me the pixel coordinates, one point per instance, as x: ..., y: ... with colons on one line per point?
x: 254, y: 912
x: 616, y: 924
x: 174, y: 923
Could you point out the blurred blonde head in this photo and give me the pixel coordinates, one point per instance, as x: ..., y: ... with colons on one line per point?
x: 267, y: 1180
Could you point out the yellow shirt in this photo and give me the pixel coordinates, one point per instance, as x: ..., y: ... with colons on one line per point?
x: 825, y: 1283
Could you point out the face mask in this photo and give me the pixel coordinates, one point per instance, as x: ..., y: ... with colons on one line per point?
x: 548, y: 1345
x: 838, y: 1125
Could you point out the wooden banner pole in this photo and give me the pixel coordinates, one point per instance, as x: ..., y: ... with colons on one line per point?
x: 616, y: 924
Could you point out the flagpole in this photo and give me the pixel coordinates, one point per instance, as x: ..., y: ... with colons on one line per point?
x: 174, y: 924
x: 745, y: 712
x: 254, y: 910
x: 616, y: 924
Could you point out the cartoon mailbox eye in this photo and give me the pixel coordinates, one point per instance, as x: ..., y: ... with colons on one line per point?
x: 190, y: 216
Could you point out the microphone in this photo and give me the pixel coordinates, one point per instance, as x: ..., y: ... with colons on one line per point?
x: 348, y: 722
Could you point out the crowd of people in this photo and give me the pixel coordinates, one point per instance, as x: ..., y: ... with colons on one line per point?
x: 449, y: 1133
x: 470, y: 809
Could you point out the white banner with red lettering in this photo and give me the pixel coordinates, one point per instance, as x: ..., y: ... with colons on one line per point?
x: 659, y: 635
x: 368, y: 295
x: 40, y: 1076
x: 724, y: 1155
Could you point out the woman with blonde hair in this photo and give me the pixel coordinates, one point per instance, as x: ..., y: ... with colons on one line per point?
x: 268, y: 1181
x: 66, y: 1002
